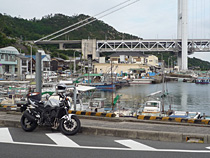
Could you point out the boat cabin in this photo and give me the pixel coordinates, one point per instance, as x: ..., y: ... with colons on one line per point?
x: 152, y: 107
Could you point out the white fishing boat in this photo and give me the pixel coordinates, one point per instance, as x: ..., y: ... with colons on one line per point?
x: 141, y: 81
x: 186, y: 114
x: 152, y: 108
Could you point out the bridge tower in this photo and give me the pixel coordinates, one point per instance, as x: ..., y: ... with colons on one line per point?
x: 182, y: 33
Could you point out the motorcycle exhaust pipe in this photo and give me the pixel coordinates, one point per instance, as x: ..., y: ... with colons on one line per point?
x: 29, y: 116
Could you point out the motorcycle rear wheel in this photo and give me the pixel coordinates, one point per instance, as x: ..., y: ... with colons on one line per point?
x: 27, y: 125
x: 70, y: 127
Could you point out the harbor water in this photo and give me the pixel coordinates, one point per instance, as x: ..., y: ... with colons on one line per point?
x: 183, y: 96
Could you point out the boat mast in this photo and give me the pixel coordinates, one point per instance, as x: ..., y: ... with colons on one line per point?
x: 163, y: 85
x: 112, y: 88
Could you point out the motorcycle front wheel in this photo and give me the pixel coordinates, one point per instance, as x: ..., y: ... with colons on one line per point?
x: 27, y: 125
x: 70, y: 127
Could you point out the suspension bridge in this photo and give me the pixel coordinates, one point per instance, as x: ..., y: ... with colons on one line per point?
x: 182, y: 46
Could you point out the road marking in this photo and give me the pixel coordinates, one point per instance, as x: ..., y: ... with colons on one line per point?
x: 5, y: 135
x: 134, y: 145
x: 62, y: 140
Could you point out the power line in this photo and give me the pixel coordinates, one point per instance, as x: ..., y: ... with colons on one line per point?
x: 196, y: 21
x: 84, y: 20
x: 204, y: 19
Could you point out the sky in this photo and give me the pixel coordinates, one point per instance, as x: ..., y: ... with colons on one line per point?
x: 149, y: 19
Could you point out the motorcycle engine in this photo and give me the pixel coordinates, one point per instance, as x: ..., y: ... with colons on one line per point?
x: 49, y: 116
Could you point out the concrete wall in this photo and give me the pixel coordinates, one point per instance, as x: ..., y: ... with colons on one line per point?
x: 89, y: 48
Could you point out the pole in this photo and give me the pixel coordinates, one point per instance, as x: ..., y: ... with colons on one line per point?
x: 75, y: 96
x: 168, y: 62
x: 74, y: 63
x: 38, y: 74
x: 88, y: 71
x: 163, y: 85
x: 112, y: 88
x: 31, y: 61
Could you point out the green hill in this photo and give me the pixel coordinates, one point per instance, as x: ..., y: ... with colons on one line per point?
x: 199, y: 64
x: 13, y: 31
x: 36, y: 28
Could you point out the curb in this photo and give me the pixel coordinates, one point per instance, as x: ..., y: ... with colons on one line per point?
x: 88, y: 113
x: 8, y: 108
x: 92, y: 113
x: 172, y: 119
x: 147, y: 135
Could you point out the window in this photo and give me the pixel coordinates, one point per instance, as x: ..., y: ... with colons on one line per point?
x: 6, y: 68
x: 6, y: 57
x: 24, y: 63
x: 151, y: 104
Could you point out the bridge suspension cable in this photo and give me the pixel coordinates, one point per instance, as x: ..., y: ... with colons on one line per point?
x: 199, y: 18
x: 87, y: 20
x: 93, y: 20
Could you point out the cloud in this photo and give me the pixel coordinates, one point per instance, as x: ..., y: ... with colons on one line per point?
x: 146, y: 18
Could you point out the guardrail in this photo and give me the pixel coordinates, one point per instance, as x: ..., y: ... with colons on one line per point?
x: 172, y: 119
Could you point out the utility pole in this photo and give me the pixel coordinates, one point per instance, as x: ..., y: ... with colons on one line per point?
x: 38, y: 74
x: 31, y: 61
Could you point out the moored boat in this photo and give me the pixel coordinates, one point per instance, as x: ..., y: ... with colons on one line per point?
x: 103, y: 86
x: 202, y: 80
x: 142, y: 81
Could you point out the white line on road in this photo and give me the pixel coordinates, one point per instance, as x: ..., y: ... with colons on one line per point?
x: 134, y: 145
x: 62, y: 140
x: 5, y: 135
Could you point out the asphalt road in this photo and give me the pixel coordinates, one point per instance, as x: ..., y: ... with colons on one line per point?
x: 14, y: 142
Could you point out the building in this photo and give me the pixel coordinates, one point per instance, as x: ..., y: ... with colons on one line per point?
x: 22, y: 66
x: 45, y: 64
x: 127, y: 62
x: 152, y: 60
x: 119, y: 68
x: 57, y: 64
x: 128, y: 57
x: 8, y: 61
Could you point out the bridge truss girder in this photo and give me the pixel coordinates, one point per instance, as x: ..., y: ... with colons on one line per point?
x: 195, y: 45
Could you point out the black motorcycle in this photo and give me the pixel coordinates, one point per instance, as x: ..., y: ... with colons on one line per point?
x: 52, y: 113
